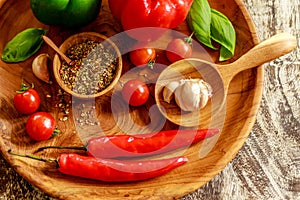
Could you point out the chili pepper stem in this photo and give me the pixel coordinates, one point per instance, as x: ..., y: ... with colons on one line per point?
x: 48, y: 160
x: 83, y: 148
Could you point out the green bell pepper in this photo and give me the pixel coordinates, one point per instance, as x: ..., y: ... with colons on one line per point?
x: 67, y: 13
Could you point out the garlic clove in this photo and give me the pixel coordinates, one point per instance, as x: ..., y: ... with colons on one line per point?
x: 178, y: 98
x: 191, y: 94
x: 40, y: 67
x: 169, y: 89
x: 184, y: 97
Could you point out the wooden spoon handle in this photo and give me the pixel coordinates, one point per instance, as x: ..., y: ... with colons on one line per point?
x: 56, y: 49
x: 270, y: 49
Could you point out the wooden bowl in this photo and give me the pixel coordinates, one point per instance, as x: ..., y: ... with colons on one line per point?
x: 206, y: 159
x: 191, y: 68
x: 80, y: 38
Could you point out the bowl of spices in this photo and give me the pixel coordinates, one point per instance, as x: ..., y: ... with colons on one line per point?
x: 95, y: 67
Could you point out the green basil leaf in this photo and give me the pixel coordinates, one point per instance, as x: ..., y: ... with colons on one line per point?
x: 199, y: 20
x: 222, y: 31
x: 23, y: 45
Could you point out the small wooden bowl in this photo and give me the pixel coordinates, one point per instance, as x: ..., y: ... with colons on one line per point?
x: 77, y: 39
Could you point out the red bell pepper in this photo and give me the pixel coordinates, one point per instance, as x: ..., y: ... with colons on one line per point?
x: 132, y: 14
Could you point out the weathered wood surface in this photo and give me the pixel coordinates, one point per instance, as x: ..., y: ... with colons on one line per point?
x: 268, y: 165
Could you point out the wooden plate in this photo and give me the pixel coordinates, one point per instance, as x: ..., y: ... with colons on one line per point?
x: 206, y: 159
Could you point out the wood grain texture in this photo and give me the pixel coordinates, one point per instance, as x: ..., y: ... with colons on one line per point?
x: 268, y: 165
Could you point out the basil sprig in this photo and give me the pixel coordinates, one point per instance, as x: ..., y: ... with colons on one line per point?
x: 209, y: 24
x: 23, y: 45
x: 199, y: 19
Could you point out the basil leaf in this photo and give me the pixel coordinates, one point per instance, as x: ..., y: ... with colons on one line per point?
x: 209, y: 24
x: 222, y: 31
x: 23, y: 45
x: 199, y: 20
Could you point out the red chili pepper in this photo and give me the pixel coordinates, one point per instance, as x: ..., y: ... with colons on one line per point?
x: 111, y: 170
x: 149, y: 13
x: 116, y: 170
x: 143, y: 144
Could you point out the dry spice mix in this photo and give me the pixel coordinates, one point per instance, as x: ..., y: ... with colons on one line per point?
x: 93, y: 68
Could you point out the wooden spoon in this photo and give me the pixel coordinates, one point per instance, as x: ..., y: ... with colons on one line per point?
x: 56, y: 49
x: 218, y: 76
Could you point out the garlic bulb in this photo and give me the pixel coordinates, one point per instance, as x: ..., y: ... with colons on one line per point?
x: 190, y: 94
x: 40, y: 67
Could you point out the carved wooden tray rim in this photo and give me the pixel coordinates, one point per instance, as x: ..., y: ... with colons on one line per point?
x: 173, y: 185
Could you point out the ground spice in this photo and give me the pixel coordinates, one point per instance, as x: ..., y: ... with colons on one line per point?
x: 84, y: 112
x: 86, y: 115
x: 93, y: 69
x: 64, y: 103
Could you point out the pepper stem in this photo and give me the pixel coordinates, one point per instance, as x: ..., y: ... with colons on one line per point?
x: 83, y: 148
x: 49, y: 160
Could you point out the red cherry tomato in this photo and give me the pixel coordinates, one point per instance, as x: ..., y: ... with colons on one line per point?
x: 179, y: 49
x: 40, y: 126
x: 143, y: 57
x: 135, y: 92
x: 27, y: 100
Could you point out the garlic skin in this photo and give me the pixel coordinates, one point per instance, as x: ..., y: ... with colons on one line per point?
x: 40, y: 67
x: 206, y: 94
x: 190, y: 94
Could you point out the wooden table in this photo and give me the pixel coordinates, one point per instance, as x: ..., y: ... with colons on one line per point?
x: 268, y: 166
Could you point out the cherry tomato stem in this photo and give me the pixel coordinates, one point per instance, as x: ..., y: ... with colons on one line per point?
x: 188, y: 40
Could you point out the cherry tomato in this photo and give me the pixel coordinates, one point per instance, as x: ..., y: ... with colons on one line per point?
x: 179, y: 49
x: 27, y: 100
x: 143, y: 57
x: 40, y: 126
x: 135, y: 92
